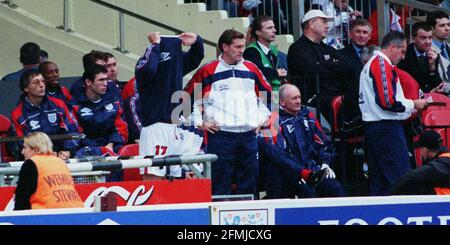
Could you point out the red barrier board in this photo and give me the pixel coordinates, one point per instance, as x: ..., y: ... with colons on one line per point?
x: 134, y: 193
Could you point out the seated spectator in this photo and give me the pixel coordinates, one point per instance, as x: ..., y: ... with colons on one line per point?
x: 263, y: 53
x: 421, y: 61
x: 324, y: 65
x: 360, y: 30
x: 98, y: 113
x: 45, y: 181
x: 50, y: 72
x: 302, y: 138
x: 433, y: 178
x: 36, y: 111
x: 29, y: 57
x: 440, y: 23
x: 113, y: 70
x: 89, y: 60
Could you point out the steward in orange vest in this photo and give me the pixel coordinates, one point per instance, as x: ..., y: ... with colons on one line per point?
x: 44, y: 180
x: 433, y: 178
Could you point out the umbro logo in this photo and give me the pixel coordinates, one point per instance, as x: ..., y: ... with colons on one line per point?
x: 290, y: 128
x: 34, y: 125
x: 86, y: 112
x: 164, y: 56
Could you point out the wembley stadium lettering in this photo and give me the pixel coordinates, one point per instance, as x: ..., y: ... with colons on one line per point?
x: 420, y: 220
x: 66, y: 195
x: 58, y: 179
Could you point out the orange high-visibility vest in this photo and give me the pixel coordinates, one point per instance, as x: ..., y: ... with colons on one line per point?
x: 442, y: 190
x: 55, y: 187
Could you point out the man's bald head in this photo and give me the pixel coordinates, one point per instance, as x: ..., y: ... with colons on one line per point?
x: 290, y: 99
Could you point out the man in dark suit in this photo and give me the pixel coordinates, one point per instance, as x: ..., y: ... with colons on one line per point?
x: 421, y: 61
x: 360, y: 31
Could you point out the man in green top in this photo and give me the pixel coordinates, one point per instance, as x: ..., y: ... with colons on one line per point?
x: 263, y: 53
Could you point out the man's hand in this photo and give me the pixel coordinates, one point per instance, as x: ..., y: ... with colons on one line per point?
x: 190, y: 175
x: 188, y: 38
x: 330, y: 173
x: 432, y: 56
x: 264, y: 124
x: 316, y: 176
x: 209, y: 126
x: 154, y: 37
x: 439, y: 88
x: 420, y: 104
x: 355, y: 14
x: 281, y: 72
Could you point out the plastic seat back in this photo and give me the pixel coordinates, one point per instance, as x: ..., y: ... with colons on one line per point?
x: 131, y: 174
x: 5, y: 124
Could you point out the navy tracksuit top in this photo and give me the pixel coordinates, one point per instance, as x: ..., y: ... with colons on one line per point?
x: 159, y: 73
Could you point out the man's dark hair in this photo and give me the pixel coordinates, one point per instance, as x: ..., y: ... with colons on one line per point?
x: 44, y: 65
x: 228, y: 36
x: 393, y: 38
x: 26, y: 77
x: 89, y: 59
x: 257, y: 24
x: 93, y: 71
x: 360, y: 22
x: 43, y: 54
x: 420, y: 25
x: 30, y: 53
x: 433, y: 16
x: 109, y: 55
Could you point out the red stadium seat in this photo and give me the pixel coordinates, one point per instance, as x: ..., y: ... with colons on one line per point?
x: 345, y: 139
x: 131, y: 174
x: 5, y: 124
x: 336, y: 105
x: 445, y: 134
x: 437, y: 98
x: 437, y: 119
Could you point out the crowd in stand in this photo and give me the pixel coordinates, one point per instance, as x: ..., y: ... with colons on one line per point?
x: 235, y: 101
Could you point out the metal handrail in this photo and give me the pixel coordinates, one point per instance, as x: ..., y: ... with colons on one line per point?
x: 52, y: 137
x: 383, y: 7
x: 145, y: 19
x: 13, y: 168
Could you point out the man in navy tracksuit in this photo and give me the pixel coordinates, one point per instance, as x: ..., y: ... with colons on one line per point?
x: 302, y: 138
x: 37, y: 111
x: 89, y: 60
x: 99, y: 114
x: 159, y: 73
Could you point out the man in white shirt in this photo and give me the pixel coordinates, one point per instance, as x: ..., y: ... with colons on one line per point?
x: 227, y: 107
x: 384, y: 107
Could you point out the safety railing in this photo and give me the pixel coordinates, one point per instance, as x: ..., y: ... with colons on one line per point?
x: 404, y: 10
x: 292, y: 12
x: 9, y: 171
x: 287, y: 14
x: 122, y: 12
x: 10, y: 3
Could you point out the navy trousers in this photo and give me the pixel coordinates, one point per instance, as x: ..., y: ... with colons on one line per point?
x: 279, y: 184
x: 237, y: 162
x: 387, y: 155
